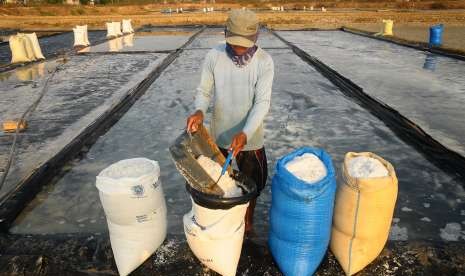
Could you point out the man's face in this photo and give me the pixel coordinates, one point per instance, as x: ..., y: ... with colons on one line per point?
x: 239, y: 50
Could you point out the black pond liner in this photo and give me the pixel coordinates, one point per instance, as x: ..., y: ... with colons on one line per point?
x: 445, y: 158
x: 15, y: 201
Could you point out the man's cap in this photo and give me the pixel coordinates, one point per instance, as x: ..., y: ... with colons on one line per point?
x: 241, y: 28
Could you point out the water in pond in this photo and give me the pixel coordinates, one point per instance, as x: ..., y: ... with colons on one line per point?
x: 307, y: 110
x: 426, y: 88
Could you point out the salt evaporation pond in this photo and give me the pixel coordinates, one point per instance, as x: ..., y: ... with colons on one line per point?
x: 53, y: 44
x: 307, y: 110
x: 426, y: 88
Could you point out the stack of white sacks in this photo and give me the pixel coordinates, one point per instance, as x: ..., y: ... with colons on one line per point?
x: 114, y: 28
x: 215, y: 236
x: 135, y: 208
x: 25, y: 48
x: 81, y: 37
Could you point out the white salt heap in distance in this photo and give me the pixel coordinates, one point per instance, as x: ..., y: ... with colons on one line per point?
x: 226, y: 183
x: 307, y: 167
x: 366, y: 167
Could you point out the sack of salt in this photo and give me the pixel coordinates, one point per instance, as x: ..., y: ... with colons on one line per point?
x: 365, y: 202
x: 302, y: 191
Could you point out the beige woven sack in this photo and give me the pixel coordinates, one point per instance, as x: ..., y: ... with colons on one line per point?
x: 362, y: 216
x: 35, y: 45
x: 18, y: 50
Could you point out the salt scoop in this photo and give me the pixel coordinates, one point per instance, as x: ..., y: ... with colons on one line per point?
x: 185, y: 151
x: 202, y: 188
x: 226, y: 165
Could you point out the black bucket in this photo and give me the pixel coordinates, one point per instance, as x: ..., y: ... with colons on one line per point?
x: 203, y: 189
x: 211, y: 201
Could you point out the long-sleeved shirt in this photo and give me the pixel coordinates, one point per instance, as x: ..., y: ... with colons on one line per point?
x: 241, y: 96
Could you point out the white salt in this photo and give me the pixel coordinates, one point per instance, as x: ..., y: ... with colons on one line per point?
x: 226, y: 183
x: 406, y: 209
x: 307, y: 167
x: 452, y: 232
x: 366, y: 167
x: 398, y: 233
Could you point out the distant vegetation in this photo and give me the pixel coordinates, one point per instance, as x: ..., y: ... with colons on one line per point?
x: 418, y: 4
x: 261, y: 4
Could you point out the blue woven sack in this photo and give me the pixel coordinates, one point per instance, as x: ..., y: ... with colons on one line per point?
x: 301, y: 216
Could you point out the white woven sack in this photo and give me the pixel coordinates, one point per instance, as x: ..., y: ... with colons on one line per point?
x: 79, y: 37
x: 133, y: 244
x: 130, y: 189
x: 110, y: 30
x: 35, y: 46
x: 117, y: 28
x: 217, y: 243
x: 27, y: 45
x: 18, y: 50
x: 127, y: 27
x: 132, y: 198
x: 85, y: 38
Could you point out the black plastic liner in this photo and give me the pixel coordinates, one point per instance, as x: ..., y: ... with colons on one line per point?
x: 16, y: 200
x: 411, y: 133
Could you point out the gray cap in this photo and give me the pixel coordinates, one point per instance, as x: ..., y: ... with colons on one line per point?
x: 241, y: 28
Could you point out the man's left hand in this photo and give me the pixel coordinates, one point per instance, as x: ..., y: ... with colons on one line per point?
x: 238, y: 142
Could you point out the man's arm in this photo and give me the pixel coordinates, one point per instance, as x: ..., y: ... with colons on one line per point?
x: 262, y: 99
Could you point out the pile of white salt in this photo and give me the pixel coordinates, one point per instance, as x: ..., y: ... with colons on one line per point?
x: 307, y: 167
x: 226, y: 183
x: 366, y: 167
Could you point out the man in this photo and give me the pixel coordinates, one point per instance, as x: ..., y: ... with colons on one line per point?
x: 239, y: 75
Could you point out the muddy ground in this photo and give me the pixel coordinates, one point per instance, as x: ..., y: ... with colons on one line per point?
x: 92, y: 255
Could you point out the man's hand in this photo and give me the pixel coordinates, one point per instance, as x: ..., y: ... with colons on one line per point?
x: 194, y: 121
x: 238, y: 142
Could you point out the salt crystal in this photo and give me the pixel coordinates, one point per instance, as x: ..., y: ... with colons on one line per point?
x: 226, y: 183
x: 426, y: 205
x: 452, y: 232
x: 425, y: 219
x: 366, y: 167
x: 307, y: 167
x: 398, y: 233
x: 406, y: 209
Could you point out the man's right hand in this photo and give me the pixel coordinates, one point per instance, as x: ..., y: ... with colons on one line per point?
x: 194, y: 121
